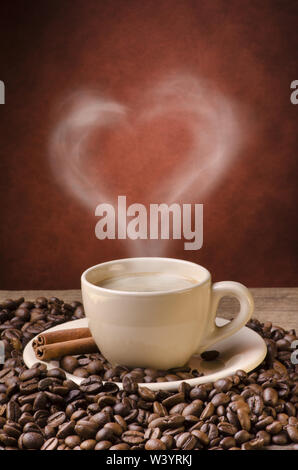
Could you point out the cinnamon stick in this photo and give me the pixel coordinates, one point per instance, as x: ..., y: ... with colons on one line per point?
x: 47, y: 352
x: 61, y: 336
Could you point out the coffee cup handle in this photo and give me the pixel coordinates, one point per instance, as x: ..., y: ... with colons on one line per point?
x: 232, y: 289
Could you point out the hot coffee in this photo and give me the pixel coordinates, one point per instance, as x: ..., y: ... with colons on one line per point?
x: 157, y: 312
x: 147, y: 282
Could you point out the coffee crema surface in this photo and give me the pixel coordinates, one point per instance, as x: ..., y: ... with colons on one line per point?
x: 147, y: 282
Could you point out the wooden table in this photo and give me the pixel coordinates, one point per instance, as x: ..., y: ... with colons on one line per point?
x: 277, y: 304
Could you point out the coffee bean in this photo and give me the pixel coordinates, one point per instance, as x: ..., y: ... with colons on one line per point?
x: 270, y: 396
x: 49, y: 431
x: 242, y: 436
x: 32, y: 427
x: 131, y: 416
x: 231, y: 416
x: 144, y: 405
x: 208, y: 411
x: 91, y: 385
x: 152, y: 433
x: 293, y: 421
x: 56, y: 419
x: 7, y: 441
x: 280, y: 439
x: 166, y: 422
x: 129, y: 385
x: 86, y: 429
x: 174, y: 431
x: 110, y: 388
x: 155, y: 444
x: 191, y: 420
x: 28, y: 387
x: 41, y: 302
x: 12, y: 429
x: 13, y: 411
x: 106, y: 400
x: 227, y: 429
x: 79, y: 414
x: 65, y: 429
x: 72, y: 441
x: 283, y: 418
x: 72, y: 395
x: 290, y: 408
x: 40, y: 401
x: 256, y: 404
x: 176, y: 409
x: 265, y: 436
x: 119, y: 420
x: 201, y: 437
x: 227, y: 442
x: 244, y: 419
x: 186, y: 441
x: 50, y: 444
x: 115, y: 428
x: 274, y: 428
x: 100, y: 419
x: 62, y: 447
x: 160, y: 409
x: 220, y: 399
x: 69, y: 363
x: 210, y: 429
x: 262, y: 423
x: 46, y: 383
x: 146, y: 394
x: 103, y: 445
x: 121, y: 446
x: 194, y: 408
x: 254, y: 444
x: 223, y: 385
x: 121, y: 409
x: 173, y: 400
x: 29, y: 374
x: 95, y: 367
x: 32, y: 440
x: 81, y: 372
x: 57, y: 373
x: 40, y: 417
x: 292, y: 432
x: 89, y: 444
x: 105, y: 434
x: 199, y: 393
x: 133, y: 437
x: 167, y: 440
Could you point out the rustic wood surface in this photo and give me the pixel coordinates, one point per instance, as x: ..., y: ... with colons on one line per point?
x: 278, y: 305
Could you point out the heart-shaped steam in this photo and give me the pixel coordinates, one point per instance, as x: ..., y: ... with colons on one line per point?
x: 212, y: 121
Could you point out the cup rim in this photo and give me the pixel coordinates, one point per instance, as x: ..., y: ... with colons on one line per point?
x: 144, y: 294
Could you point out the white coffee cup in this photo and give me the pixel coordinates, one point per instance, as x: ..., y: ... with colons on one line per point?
x: 160, y: 329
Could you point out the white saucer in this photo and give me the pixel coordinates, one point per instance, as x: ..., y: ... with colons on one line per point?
x: 244, y: 350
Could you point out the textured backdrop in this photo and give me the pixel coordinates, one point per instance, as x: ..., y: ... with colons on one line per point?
x: 247, y: 49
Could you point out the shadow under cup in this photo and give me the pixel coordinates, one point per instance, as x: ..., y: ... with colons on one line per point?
x: 156, y: 329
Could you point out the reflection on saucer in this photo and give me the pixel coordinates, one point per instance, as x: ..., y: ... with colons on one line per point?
x: 206, y: 367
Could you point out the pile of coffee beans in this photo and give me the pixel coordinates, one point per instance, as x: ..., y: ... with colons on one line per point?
x: 41, y: 409
x: 95, y: 364
x: 24, y: 320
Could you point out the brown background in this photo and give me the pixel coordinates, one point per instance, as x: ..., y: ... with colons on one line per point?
x: 51, y: 48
